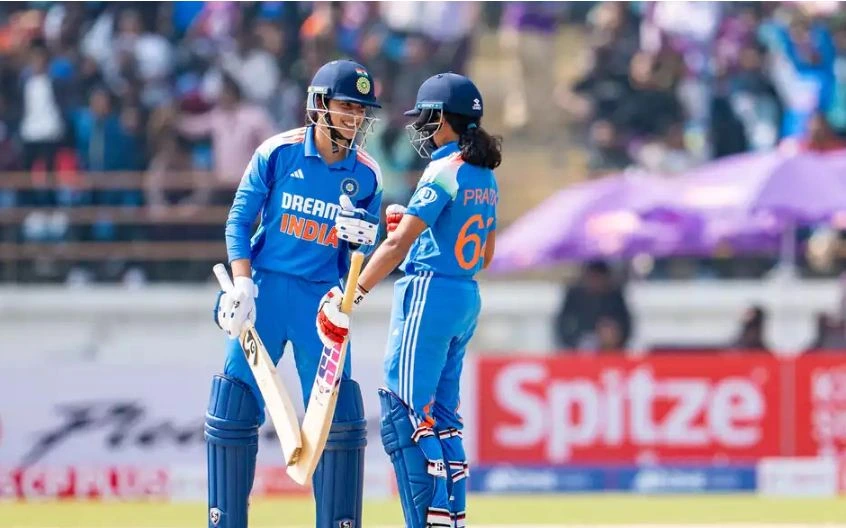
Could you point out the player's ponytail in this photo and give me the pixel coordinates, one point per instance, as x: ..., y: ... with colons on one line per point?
x: 476, y: 145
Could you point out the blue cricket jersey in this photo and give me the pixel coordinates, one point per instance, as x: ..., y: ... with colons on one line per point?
x: 297, y: 194
x: 458, y: 203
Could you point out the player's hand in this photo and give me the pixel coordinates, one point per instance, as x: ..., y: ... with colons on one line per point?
x: 393, y: 216
x: 237, y: 306
x: 333, y: 325
x: 356, y: 225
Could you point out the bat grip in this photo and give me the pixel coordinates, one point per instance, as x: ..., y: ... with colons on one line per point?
x: 223, y: 277
x: 356, y: 261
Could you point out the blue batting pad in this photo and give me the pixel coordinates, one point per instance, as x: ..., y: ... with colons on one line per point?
x: 231, y: 434
x: 339, y: 477
x: 419, y: 466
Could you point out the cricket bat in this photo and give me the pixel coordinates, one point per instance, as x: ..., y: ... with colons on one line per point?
x: 276, y: 399
x: 324, y: 393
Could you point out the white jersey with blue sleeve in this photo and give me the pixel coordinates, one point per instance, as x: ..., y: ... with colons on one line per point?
x: 296, y: 194
x: 457, y: 201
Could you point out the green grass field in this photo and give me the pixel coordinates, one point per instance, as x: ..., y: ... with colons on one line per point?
x: 552, y: 510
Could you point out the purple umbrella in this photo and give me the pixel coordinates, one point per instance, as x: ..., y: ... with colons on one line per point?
x: 778, y: 187
x: 596, y: 219
x: 744, y: 203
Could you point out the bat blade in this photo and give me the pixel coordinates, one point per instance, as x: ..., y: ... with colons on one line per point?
x: 321, y: 408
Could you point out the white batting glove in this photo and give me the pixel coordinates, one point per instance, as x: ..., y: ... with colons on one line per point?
x: 393, y: 216
x: 237, y: 306
x: 356, y: 225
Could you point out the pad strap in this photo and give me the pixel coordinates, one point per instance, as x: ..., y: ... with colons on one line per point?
x: 438, y: 517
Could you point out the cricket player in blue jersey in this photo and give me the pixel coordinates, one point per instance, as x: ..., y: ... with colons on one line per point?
x: 315, y: 192
x: 445, y: 236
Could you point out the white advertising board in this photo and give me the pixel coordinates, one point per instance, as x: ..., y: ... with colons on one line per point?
x: 798, y: 477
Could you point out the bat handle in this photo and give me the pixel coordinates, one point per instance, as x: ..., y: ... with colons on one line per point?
x: 356, y: 261
x: 223, y: 277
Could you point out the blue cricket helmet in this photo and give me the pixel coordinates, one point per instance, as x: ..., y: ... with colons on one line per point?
x: 344, y: 80
x: 451, y: 93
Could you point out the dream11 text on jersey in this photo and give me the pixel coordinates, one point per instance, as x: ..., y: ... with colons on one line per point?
x: 306, y: 228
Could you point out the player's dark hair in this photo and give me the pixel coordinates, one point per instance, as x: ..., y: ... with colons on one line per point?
x: 476, y: 145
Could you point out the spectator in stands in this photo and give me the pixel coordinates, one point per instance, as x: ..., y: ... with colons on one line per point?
x: 236, y: 128
x: 805, y: 71
x: 10, y: 158
x: 752, y: 99
x: 594, y: 312
x: 751, y: 335
x: 652, y: 101
x: 174, y: 158
x: 102, y: 144
x: 42, y: 128
x: 667, y: 153
x: 252, y: 68
x: 607, y: 152
x: 144, y: 57
x: 527, y: 34
x: 837, y: 113
x: 831, y: 334
x: 820, y: 137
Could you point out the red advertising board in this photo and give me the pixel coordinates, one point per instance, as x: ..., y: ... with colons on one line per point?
x: 820, y: 405
x: 704, y: 408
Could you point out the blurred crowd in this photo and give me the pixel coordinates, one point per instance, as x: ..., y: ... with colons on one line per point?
x: 669, y: 85
x: 192, y: 88
x: 183, y: 92
x: 180, y: 86
x: 594, y: 318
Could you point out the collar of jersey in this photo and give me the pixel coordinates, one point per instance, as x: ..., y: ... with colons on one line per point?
x: 310, y: 150
x: 445, y: 150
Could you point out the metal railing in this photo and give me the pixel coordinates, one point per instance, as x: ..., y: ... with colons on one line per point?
x: 144, y: 233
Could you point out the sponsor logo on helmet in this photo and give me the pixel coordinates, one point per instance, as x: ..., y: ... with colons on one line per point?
x: 363, y: 85
x: 477, y: 105
x: 349, y: 187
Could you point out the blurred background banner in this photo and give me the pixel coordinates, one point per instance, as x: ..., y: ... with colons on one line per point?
x: 680, y: 422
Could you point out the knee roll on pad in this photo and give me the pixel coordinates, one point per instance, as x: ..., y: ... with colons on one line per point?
x: 339, y: 477
x: 231, y: 434
x: 417, y: 475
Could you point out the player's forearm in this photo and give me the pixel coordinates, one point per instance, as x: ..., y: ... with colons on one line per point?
x: 386, y: 258
x: 246, y: 206
x: 241, y: 268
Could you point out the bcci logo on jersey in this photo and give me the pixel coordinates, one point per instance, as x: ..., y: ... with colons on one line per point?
x: 349, y: 187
